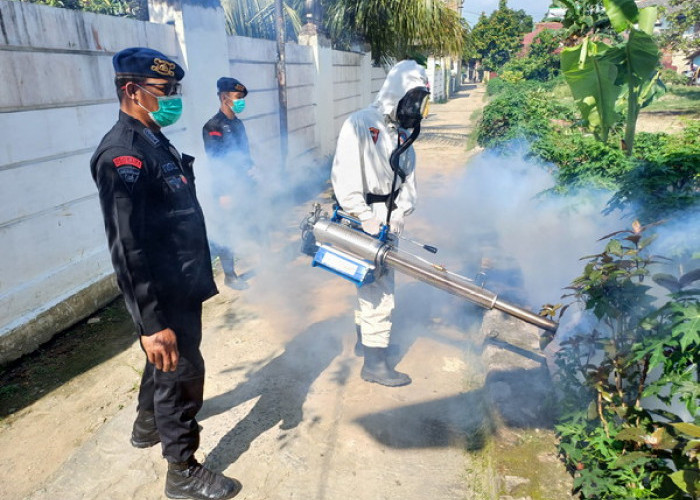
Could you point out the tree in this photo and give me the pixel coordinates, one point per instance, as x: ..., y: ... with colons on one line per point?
x: 397, y: 28
x: 543, y: 51
x: 605, y: 79
x: 584, y: 18
x: 392, y: 28
x: 256, y: 18
x: 468, y: 50
x: 137, y: 9
x: 682, y: 16
x: 498, y: 37
x: 542, y: 61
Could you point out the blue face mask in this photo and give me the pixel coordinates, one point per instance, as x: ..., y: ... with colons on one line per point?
x: 238, y: 106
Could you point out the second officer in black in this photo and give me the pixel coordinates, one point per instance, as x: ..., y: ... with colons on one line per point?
x: 230, y: 163
x: 158, y: 242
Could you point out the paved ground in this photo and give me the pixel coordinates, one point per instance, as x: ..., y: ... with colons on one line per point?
x: 285, y: 409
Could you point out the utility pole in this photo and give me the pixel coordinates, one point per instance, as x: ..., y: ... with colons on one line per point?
x: 281, y: 82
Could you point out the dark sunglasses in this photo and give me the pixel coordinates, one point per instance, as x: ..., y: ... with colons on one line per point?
x: 168, y: 89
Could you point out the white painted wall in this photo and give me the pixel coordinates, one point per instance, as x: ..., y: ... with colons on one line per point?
x: 438, y: 77
x: 57, y: 100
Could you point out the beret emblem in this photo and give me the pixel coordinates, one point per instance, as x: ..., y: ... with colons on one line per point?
x: 162, y: 67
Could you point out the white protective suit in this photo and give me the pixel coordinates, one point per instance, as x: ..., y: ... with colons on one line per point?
x: 361, y: 166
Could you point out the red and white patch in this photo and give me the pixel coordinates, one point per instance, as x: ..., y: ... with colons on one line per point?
x: 120, y: 161
x: 216, y: 133
x: 375, y: 134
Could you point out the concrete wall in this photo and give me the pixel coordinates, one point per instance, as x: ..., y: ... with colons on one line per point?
x: 437, y: 76
x: 58, y: 100
x: 347, y: 87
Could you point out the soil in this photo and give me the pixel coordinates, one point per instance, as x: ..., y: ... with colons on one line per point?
x: 669, y: 122
x: 285, y: 410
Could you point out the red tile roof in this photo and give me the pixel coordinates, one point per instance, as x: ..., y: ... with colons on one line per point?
x: 529, y: 37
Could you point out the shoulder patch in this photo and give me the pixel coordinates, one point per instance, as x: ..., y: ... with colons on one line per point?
x: 216, y: 133
x: 129, y: 169
x: 120, y: 161
x: 375, y: 134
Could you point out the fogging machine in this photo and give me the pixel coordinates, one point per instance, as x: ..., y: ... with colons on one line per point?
x: 338, y: 245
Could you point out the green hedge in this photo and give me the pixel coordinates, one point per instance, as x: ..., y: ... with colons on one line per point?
x: 661, y: 177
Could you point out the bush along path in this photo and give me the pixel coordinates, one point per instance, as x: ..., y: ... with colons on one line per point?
x: 628, y: 376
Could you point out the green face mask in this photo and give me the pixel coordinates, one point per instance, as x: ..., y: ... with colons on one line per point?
x: 168, y: 112
x: 169, y: 109
x: 238, y: 106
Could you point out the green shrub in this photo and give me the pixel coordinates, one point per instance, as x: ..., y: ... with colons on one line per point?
x: 670, y: 77
x: 666, y: 179
x: 582, y: 160
x: 496, y: 85
x: 615, y: 446
x: 518, y: 111
x: 647, y: 145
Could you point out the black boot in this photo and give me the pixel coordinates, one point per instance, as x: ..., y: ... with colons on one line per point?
x: 145, y: 433
x: 232, y: 280
x: 192, y: 480
x: 359, y: 348
x: 377, y: 370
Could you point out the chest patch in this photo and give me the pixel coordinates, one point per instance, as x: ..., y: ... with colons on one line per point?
x: 169, y: 167
x: 151, y: 136
x: 176, y: 182
x: 375, y: 134
x: 173, y: 176
x: 216, y: 133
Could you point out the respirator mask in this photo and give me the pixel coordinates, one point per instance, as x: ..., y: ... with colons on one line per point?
x: 413, y: 107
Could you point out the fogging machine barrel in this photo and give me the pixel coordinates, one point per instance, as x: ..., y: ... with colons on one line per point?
x: 378, y: 253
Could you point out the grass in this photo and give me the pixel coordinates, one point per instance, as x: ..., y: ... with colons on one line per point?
x: 70, y: 353
x: 532, y: 458
x: 679, y: 99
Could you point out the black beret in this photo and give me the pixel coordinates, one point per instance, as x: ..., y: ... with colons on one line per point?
x: 226, y: 84
x: 148, y: 63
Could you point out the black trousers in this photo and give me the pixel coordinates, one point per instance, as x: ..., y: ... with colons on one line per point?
x: 225, y: 255
x: 176, y: 397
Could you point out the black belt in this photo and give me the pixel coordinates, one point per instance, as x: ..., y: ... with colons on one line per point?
x: 381, y: 198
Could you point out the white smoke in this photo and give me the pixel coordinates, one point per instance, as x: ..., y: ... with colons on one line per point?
x: 262, y: 226
x: 501, y: 218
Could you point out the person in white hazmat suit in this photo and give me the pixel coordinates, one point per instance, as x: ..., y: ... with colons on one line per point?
x: 362, y: 178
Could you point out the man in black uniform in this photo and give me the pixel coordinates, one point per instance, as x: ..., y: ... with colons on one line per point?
x: 158, y: 242
x: 226, y: 145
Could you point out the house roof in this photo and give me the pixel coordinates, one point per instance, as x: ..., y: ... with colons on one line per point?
x: 539, y: 27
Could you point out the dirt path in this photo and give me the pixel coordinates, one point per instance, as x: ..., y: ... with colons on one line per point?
x: 285, y: 409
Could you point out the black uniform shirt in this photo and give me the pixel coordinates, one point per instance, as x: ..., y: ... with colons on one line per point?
x: 154, y: 223
x: 225, y: 137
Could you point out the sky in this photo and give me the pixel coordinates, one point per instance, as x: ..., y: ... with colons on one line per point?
x: 472, y: 9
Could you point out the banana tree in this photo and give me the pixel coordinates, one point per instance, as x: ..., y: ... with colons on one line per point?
x: 604, y: 77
